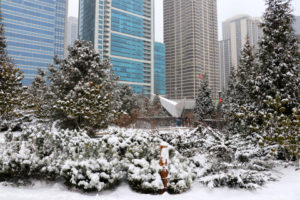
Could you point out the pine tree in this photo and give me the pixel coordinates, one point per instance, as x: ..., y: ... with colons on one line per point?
x: 82, y: 91
x: 156, y: 109
x: 279, y: 56
x: 276, y: 88
x: 239, y: 95
x: 37, y: 97
x: 4, y: 58
x: 204, y: 105
x: 129, y: 108
x: 10, y: 92
x: 10, y: 84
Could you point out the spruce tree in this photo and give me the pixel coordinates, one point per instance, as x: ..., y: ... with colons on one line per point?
x: 204, y: 105
x: 37, y: 97
x: 277, y: 82
x: 10, y: 84
x: 4, y: 58
x: 279, y: 57
x: 82, y: 90
x: 10, y: 92
x: 129, y: 108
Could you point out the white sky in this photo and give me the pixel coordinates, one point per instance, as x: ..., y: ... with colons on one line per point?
x: 226, y: 9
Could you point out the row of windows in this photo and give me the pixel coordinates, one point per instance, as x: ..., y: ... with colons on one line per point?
x: 29, y: 46
x: 22, y: 19
x: 27, y: 37
x: 127, y: 47
x: 26, y: 28
x: 13, y: 53
x: 128, y: 70
x: 33, y: 4
x: 128, y: 24
x: 134, y: 6
x: 36, y: 13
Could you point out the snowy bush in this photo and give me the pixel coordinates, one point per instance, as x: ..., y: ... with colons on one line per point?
x: 82, y: 162
x: 218, y: 160
x: 141, y: 161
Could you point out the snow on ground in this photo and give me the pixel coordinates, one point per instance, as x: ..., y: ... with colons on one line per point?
x: 287, y: 188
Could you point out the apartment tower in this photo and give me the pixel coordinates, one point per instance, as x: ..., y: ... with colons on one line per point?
x: 191, y: 39
x: 122, y: 30
x: 35, y: 32
x: 72, y: 29
x: 159, y: 68
x: 236, y: 30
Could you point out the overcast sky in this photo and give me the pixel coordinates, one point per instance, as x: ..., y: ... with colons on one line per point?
x: 226, y: 9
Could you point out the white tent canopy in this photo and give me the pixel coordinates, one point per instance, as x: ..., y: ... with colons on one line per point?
x: 174, y: 108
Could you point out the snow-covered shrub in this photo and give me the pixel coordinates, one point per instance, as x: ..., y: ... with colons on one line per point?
x: 38, y: 152
x: 232, y: 161
x: 93, y: 174
x: 218, y: 160
x: 26, y: 154
x: 141, y: 161
x: 94, y: 166
x: 180, y: 172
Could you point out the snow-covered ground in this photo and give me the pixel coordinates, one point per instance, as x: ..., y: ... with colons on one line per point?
x: 287, y: 188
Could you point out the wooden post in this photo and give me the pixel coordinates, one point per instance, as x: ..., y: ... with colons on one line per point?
x: 163, y: 162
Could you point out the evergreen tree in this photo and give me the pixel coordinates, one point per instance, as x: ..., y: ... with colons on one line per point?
x: 204, y: 105
x: 239, y: 95
x: 37, y: 97
x: 284, y: 135
x: 10, y: 92
x: 276, y: 87
x: 10, y: 84
x: 156, y: 109
x: 4, y: 58
x: 278, y: 56
x: 82, y: 91
x: 129, y: 108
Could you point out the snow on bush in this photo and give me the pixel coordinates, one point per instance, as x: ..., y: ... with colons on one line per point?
x: 203, y: 155
x: 82, y: 162
x: 141, y: 161
x: 219, y: 160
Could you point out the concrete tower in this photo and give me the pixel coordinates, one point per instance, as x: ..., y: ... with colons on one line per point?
x: 191, y: 39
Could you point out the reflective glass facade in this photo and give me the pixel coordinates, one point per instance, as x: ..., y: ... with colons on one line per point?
x: 122, y: 30
x: 35, y: 32
x: 159, y: 68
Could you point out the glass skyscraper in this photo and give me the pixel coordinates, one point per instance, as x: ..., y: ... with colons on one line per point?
x: 35, y: 32
x: 159, y: 68
x: 122, y: 30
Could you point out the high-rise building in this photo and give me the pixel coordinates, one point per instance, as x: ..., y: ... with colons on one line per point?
x: 191, y: 39
x: 159, y: 68
x: 297, y: 25
x: 122, y: 30
x: 225, y: 63
x: 72, y: 31
x: 236, y: 30
x: 35, y: 32
x: 297, y: 29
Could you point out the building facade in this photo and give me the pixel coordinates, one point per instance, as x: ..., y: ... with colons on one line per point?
x: 72, y: 31
x: 35, y: 32
x: 236, y: 30
x: 159, y: 68
x: 297, y: 25
x: 191, y: 39
x: 225, y: 63
x: 122, y: 30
